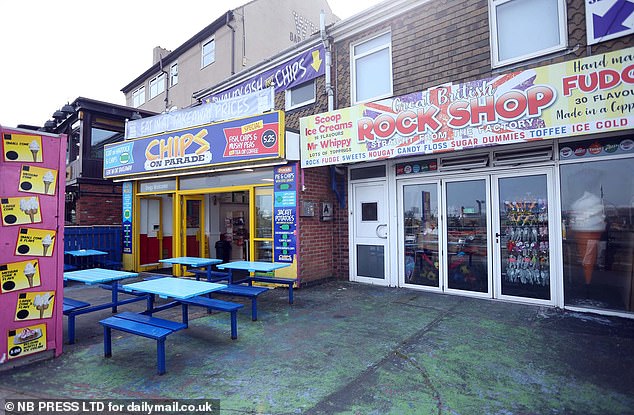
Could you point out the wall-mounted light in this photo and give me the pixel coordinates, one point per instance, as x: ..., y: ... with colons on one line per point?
x: 68, y: 109
x: 50, y: 125
x: 59, y: 115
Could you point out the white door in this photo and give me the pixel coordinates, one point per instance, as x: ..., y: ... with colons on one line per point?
x: 522, y: 227
x: 370, y: 233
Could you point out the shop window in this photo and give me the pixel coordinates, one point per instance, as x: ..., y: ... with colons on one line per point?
x: 372, y: 69
x: 157, y: 85
x: 367, y: 172
x: 138, y: 97
x: 263, y: 240
x: 173, y: 74
x: 524, y: 29
x: 99, y: 137
x: 208, y: 53
x: 597, y: 206
x: 300, y: 95
x: 369, y: 212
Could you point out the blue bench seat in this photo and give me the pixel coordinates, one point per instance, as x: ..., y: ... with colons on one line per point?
x: 71, y: 308
x: 245, y: 291
x: 215, y: 275
x: 141, y: 325
x: 214, y: 304
x: 290, y: 282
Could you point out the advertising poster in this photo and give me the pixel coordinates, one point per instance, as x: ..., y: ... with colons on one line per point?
x: 126, y: 191
x: 22, y: 147
x: 20, y: 210
x: 252, y: 138
x: 35, y: 242
x: 579, y: 97
x: 26, y: 340
x: 608, y: 19
x: 21, y: 275
x: 38, y: 180
x: 285, y: 213
x: 34, y: 305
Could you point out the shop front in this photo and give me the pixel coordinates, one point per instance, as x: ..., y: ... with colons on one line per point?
x: 211, y: 191
x: 517, y: 187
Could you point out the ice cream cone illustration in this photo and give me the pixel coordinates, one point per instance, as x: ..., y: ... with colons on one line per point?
x: 587, y: 248
x: 35, y: 148
x: 48, y: 179
x: 42, y: 302
x: 46, y: 242
x: 588, y: 223
x: 30, y: 207
x: 29, y: 272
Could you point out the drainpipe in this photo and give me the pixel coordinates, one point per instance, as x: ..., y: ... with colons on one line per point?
x: 233, y: 44
x: 328, y: 63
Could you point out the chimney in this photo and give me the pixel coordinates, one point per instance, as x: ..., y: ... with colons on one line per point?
x: 159, y: 52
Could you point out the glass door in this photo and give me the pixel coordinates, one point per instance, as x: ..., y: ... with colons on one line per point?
x: 369, y: 234
x: 467, y: 231
x: 193, y: 225
x: 420, y: 262
x: 522, y: 229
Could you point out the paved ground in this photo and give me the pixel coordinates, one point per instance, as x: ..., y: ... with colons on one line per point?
x: 346, y: 348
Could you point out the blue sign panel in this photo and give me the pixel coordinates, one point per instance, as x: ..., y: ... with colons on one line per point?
x: 251, y: 138
x: 127, y: 217
x: 285, y: 213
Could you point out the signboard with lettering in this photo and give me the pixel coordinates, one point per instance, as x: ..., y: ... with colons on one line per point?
x: 245, y: 139
x: 126, y: 223
x: 608, y: 19
x: 583, y: 96
x: 285, y: 213
x: 295, y: 71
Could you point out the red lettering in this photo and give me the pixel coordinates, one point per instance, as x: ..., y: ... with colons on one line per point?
x: 628, y: 74
x: 364, y: 129
x: 478, y: 110
x: 427, y: 119
x: 539, y: 97
x: 405, y: 122
x: 459, y: 113
x: 384, y: 126
x: 511, y: 105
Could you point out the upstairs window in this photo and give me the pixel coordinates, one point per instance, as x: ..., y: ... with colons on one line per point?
x: 138, y: 97
x: 157, y: 85
x: 301, y: 95
x: 524, y: 29
x: 209, y: 53
x: 371, y: 70
x: 173, y: 74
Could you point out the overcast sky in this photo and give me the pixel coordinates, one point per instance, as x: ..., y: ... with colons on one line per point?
x: 55, y: 51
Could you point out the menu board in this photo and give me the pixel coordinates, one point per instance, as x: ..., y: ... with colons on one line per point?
x: 285, y: 213
x: 31, y: 262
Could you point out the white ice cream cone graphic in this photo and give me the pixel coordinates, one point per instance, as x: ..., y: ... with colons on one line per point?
x: 35, y: 148
x: 41, y: 303
x: 29, y: 272
x: 46, y: 243
x: 48, y: 179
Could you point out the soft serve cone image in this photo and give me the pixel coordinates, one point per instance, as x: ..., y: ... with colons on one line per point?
x: 42, y: 302
x: 46, y: 242
x: 29, y: 206
x: 29, y: 272
x: 588, y: 223
x: 35, y: 148
x: 48, y: 179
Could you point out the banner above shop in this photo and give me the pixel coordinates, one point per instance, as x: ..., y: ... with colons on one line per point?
x: 584, y: 96
x: 254, y: 103
x: 240, y: 140
x: 295, y: 71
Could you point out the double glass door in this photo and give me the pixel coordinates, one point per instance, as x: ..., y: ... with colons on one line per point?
x: 485, y: 236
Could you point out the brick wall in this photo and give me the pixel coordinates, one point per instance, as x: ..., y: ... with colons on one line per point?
x: 98, y: 204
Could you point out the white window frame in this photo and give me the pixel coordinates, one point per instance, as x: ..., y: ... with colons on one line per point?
x: 563, y: 35
x: 202, y: 53
x: 288, y: 94
x: 353, y: 59
x: 173, y: 74
x: 157, y: 85
x: 138, y: 97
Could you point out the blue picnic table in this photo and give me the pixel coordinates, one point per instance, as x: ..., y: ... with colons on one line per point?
x: 193, y: 262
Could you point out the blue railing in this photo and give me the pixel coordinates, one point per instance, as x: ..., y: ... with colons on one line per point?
x: 101, y: 238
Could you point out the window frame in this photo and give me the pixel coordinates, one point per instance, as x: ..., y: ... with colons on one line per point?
x: 289, y: 92
x: 202, y: 52
x: 353, y: 71
x: 139, y: 92
x: 493, y: 36
x: 156, y: 81
x: 173, y: 74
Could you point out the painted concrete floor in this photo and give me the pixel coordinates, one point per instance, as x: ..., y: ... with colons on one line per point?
x: 346, y: 348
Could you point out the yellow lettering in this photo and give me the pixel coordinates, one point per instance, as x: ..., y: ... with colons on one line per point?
x: 199, y: 139
x: 148, y: 150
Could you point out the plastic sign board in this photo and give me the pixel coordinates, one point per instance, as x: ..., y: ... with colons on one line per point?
x: 579, y: 97
x: 245, y: 139
x: 608, y: 19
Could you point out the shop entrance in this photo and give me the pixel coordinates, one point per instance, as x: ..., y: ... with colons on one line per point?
x: 155, y: 234
x: 479, y: 235
x: 193, y: 237
x: 370, y: 233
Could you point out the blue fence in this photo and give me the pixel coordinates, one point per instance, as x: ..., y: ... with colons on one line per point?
x: 102, y: 238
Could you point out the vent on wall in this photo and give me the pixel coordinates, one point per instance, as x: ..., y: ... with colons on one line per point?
x: 464, y: 163
x: 534, y: 155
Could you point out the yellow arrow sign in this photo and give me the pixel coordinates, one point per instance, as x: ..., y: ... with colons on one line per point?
x: 316, y: 61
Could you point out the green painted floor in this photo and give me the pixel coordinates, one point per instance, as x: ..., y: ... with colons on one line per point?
x: 346, y: 348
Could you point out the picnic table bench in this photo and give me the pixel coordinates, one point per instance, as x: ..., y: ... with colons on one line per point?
x: 214, y: 304
x: 141, y: 325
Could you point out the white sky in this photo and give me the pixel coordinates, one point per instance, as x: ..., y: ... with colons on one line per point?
x: 52, y: 52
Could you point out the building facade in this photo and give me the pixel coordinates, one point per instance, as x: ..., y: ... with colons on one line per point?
x: 488, y: 149
x: 237, y: 40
